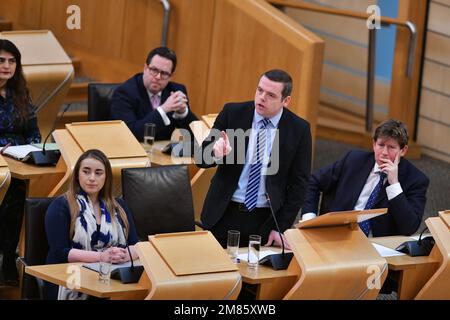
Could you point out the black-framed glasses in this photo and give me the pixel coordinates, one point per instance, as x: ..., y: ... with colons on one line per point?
x: 155, y: 71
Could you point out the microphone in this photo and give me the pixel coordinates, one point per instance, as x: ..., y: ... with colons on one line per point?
x: 130, y: 274
x: 279, y: 261
x: 421, y: 247
x: 47, y: 157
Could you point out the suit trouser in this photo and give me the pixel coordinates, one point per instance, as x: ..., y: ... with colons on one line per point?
x: 236, y: 217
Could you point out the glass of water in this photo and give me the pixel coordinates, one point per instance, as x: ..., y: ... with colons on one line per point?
x: 149, y: 136
x: 104, y: 270
x: 254, y: 247
x: 233, y: 244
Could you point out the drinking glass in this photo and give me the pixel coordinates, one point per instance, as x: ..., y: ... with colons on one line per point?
x: 104, y: 270
x: 233, y: 244
x: 254, y: 247
x: 149, y: 136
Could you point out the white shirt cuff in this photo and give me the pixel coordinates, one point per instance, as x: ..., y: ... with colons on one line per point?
x: 308, y: 216
x: 183, y: 115
x: 164, y: 116
x: 393, y: 190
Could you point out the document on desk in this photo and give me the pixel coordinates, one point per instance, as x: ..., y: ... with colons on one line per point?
x: 262, y: 254
x: 386, y: 252
x: 95, y: 266
x: 20, y: 152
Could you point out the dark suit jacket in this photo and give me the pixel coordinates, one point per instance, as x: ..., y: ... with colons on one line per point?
x: 131, y: 103
x: 286, y: 188
x: 345, y: 179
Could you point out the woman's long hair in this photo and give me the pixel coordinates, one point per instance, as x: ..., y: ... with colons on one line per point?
x: 17, y: 84
x: 105, y: 193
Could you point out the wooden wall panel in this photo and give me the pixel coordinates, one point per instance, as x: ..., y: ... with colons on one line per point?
x: 352, y: 29
x: 101, y: 24
x: 26, y: 14
x: 435, y: 139
x: 142, y: 29
x: 438, y: 48
x: 439, y: 16
x: 434, y: 118
x: 252, y: 44
x: 436, y: 77
x: 345, y: 54
x: 353, y: 85
x: 435, y: 106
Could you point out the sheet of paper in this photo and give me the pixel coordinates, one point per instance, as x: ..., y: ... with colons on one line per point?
x: 95, y: 265
x: 262, y: 254
x: 19, y: 152
x: 387, y: 252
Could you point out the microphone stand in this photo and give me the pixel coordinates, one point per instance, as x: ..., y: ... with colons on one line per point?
x: 44, y: 157
x: 279, y: 261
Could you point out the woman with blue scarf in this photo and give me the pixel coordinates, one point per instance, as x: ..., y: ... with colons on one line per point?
x: 87, y: 219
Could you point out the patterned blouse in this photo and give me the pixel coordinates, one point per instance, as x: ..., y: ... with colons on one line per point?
x: 12, y: 129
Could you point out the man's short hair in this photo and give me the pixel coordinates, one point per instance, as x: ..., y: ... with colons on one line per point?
x: 392, y: 129
x: 278, y: 75
x: 165, y: 53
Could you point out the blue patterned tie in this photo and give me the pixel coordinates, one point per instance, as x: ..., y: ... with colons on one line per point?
x: 251, y: 194
x: 365, y: 225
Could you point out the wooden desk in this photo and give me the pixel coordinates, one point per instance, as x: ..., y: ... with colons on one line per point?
x: 271, y: 284
x: 39, y: 180
x: 57, y: 274
x: 158, y: 158
x: 413, y: 272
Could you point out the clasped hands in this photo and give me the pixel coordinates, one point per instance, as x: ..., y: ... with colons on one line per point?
x: 117, y: 255
x: 177, y: 102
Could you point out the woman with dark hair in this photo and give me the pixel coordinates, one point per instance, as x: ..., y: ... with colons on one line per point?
x: 87, y: 219
x: 18, y: 125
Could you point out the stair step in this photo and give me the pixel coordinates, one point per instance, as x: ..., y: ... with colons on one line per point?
x: 5, y: 25
x: 77, y: 92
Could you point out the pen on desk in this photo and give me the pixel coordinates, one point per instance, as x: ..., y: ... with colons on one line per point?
x: 2, y: 150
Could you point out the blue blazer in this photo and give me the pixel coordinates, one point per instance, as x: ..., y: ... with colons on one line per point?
x: 131, y: 103
x: 344, y: 180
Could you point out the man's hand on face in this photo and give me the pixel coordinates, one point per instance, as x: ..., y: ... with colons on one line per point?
x: 391, y: 168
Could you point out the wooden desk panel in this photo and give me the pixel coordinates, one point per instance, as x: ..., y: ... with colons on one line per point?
x: 271, y: 284
x: 414, y: 272
x: 40, y: 180
x: 89, y: 284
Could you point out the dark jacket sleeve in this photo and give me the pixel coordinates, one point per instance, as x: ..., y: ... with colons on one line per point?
x: 32, y: 134
x: 132, y: 234
x: 204, y: 157
x: 124, y: 105
x: 297, y: 181
x: 57, y: 228
x: 407, y: 208
x: 324, y: 181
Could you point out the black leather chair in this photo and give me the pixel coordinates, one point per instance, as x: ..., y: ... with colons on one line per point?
x: 99, y: 100
x: 36, y: 245
x: 160, y: 199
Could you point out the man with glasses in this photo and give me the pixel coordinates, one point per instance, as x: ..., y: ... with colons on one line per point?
x: 151, y: 97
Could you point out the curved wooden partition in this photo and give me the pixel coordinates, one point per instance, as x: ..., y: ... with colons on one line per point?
x: 125, y: 152
x: 165, y: 284
x: 5, y: 178
x: 251, y: 37
x: 335, y: 263
x: 48, y: 70
x: 438, y: 287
